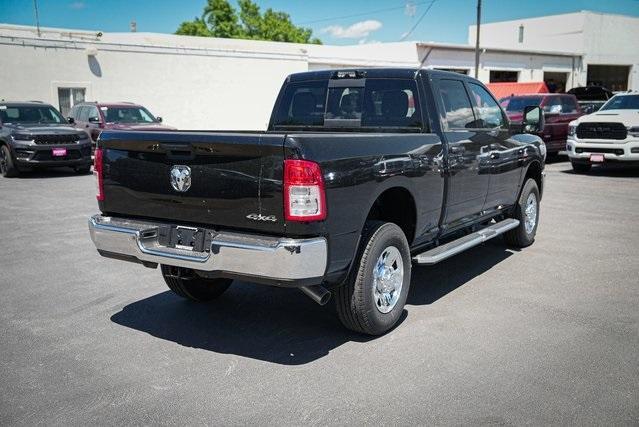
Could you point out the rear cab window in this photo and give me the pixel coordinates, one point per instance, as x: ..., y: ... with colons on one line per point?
x: 83, y: 114
x: 358, y: 104
x: 568, y: 104
x: 552, y: 105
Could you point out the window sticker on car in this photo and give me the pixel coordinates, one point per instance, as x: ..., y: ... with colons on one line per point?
x: 3, y: 107
x: 104, y: 108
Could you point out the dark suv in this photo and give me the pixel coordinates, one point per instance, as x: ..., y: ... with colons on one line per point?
x: 34, y: 134
x: 94, y: 117
x: 559, y: 110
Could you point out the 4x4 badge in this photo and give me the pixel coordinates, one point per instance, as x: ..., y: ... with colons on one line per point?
x: 258, y: 217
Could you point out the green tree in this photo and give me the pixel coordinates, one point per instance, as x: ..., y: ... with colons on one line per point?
x: 197, y: 27
x: 220, y: 19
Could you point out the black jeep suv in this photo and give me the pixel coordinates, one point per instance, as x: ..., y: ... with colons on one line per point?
x: 34, y: 134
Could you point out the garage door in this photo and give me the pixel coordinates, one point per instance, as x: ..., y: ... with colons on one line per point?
x: 613, y: 77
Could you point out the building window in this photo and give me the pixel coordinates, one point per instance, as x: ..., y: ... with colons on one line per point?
x: 454, y: 70
x: 68, y: 97
x: 497, y: 76
x: 521, y: 34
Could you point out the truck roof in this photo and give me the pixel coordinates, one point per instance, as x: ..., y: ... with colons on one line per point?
x: 397, y: 73
x: 110, y: 104
x: 24, y: 103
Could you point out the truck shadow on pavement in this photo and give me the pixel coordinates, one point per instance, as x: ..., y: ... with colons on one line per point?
x: 282, y: 325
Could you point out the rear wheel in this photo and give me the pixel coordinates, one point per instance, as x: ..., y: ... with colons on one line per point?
x: 185, y: 283
x: 581, y: 167
x: 527, y: 212
x: 7, y: 168
x: 372, y: 300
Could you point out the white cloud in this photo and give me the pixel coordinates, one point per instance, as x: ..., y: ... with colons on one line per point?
x: 356, y: 31
x: 367, y: 41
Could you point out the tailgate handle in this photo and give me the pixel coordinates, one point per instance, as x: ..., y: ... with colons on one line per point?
x: 178, y: 151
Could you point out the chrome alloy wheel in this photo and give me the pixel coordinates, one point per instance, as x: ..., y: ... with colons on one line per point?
x: 388, y: 278
x: 530, y: 219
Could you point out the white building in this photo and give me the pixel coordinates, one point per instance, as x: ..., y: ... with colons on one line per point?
x: 209, y: 83
x: 608, y: 43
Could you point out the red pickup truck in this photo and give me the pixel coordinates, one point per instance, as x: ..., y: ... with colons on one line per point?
x: 559, y: 110
x: 94, y: 117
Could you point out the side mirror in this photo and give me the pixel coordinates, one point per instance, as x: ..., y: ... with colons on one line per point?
x: 159, y: 119
x: 533, y: 120
x: 71, y: 120
x: 94, y: 119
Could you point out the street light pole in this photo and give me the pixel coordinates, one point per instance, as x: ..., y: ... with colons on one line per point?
x: 35, y: 6
x: 477, y: 39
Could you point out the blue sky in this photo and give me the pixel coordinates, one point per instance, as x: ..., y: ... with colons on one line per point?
x: 334, y: 21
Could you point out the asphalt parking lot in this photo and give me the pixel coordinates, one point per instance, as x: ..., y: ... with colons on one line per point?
x: 547, y: 335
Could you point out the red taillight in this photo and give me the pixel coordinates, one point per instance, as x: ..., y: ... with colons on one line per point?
x: 97, y: 171
x: 304, y: 196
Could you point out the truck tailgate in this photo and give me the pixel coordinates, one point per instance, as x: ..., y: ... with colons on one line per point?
x: 235, y: 178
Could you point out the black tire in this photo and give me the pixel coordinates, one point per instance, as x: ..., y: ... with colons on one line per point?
x: 185, y: 283
x: 7, y: 168
x: 522, y: 236
x: 355, y: 300
x: 581, y: 167
x: 82, y: 170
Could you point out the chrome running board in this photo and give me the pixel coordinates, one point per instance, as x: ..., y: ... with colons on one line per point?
x: 440, y: 253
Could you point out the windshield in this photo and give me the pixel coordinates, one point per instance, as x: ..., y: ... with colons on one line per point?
x: 127, y: 115
x: 30, y: 114
x: 622, y: 102
x: 350, y: 104
x: 517, y: 104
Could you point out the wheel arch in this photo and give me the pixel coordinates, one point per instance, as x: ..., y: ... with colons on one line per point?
x: 395, y: 204
x: 535, y: 171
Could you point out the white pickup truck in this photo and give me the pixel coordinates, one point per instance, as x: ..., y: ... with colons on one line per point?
x: 609, y: 135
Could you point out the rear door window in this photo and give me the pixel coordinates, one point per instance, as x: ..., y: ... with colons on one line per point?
x: 457, y: 106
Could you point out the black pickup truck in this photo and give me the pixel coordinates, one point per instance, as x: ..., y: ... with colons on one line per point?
x: 361, y: 175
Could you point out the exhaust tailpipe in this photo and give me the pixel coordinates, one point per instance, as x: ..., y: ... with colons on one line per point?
x: 317, y: 293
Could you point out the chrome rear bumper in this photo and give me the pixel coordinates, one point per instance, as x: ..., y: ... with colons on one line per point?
x: 241, y: 254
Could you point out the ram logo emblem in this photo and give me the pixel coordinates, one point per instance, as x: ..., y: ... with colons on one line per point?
x: 180, y: 178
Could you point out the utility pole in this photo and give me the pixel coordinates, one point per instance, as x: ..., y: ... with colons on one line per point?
x: 477, y: 39
x: 35, y: 6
